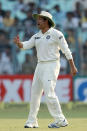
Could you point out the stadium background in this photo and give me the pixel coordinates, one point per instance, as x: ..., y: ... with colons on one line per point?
x: 17, y: 66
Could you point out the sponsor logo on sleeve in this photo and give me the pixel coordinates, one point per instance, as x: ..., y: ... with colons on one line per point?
x: 37, y: 38
x: 60, y: 37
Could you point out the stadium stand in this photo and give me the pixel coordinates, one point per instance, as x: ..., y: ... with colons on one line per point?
x: 16, y: 18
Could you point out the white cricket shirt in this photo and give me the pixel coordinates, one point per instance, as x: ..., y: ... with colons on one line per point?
x: 48, y: 45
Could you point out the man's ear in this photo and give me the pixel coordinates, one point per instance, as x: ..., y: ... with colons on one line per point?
x: 47, y: 21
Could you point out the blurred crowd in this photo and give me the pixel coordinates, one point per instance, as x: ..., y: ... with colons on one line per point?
x: 70, y: 17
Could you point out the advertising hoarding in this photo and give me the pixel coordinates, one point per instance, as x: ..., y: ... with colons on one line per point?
x: 80, y: 88
x: 17, y: 88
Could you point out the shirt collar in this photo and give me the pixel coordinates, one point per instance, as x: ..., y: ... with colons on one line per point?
x: 47, y: 32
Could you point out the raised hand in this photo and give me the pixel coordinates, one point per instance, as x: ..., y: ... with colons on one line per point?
x: 18, y: 42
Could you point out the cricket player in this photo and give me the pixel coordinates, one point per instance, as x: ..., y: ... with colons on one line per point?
x: 48, y: 41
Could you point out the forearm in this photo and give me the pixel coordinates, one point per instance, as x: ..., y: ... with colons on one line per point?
x: 73, y: 67
x: 71, y: 62
x: 25, y: 45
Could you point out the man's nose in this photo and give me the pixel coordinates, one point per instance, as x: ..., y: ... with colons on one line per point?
x: 38, y: 21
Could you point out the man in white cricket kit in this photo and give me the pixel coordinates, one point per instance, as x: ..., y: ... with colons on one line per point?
x: 48, y: 41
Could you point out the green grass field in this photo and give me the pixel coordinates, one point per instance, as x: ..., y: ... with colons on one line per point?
x: 13, y: 117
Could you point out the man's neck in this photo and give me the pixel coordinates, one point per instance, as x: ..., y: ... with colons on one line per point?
x: 45, y: 30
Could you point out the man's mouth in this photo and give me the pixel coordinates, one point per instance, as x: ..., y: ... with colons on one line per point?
x: 38, y: 24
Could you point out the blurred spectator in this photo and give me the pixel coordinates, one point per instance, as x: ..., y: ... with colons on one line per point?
x: 39, y: 9
x: 4, y: 41
x: 2, y: 12
x: 20, y: 54
x: 6, y: 66
x: 8, y: 21
x: 83, y: 30
x: 32, y: 6
x: 29, y: 20
x: 43, y: 3
x: 84, y: 62
x: 83, y: 3
x: 29, y: 1
x: 70, y: 36
x: 70, y: 22
x: 63, y: 62
x: 78, y: 10
x: 84, y: 21
x: 19, y: 21
x: 1, y: 23
x: 27, y: 67
x: 58, y: 15
x: 17, y: 28
x: 5, y: 55
x: 19, y: 5
x: 28, y: 23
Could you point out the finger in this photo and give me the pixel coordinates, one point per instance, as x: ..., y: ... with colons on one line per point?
x: 74, y: 73
x: 15, y: 39
x: 18, y: 37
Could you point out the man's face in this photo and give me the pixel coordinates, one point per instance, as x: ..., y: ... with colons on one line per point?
x: 41, y: 23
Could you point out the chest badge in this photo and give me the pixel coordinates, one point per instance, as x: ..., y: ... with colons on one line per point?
x: 48, y: 37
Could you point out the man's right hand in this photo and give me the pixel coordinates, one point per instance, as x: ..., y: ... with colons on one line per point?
x: 18, y: 42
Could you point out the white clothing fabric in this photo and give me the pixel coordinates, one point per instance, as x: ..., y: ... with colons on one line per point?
x: 45, y: 80
x: 47, y: 71
x: 48, y: 45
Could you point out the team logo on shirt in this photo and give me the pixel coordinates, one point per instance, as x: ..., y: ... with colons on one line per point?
x: 48, y: 37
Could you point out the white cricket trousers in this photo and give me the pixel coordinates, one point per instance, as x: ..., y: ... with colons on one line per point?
x: 45, y: 78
